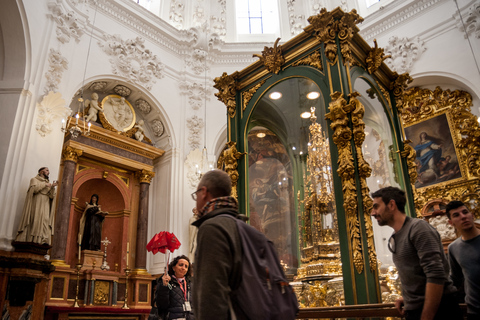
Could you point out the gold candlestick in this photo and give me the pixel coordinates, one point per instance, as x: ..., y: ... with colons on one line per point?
x: 125, y: 304
x: 78, y: 267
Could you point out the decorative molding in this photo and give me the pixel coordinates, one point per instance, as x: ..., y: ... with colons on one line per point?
x: 122, y: 91
x: 131, y: 60
x: 404, y: 53
x: 98, y: 86
x: 398, y: 87
x: 272, y: 57
x: 229, y: 158
x: 219, y: 22
x: 342, y: 136
x: 57, y: 64
x: 197, y: 60
x: 71, y: 154
x: 226, y: 86
x: 400, y: 16
x: 145, y: 176
x: 296, y: 21
x: 196, y: 93
x: 157, y: 127
x: 177, y: 9
x: 195, y: 126
x: 194, y: 159
x: 446, y: 230
x: 248, y: 94
x: 143, y: 106
x: 52, y: 108
x: 375, y: 58
x: 313, y: 60
x: 472, y: 21
x: 67, y: 24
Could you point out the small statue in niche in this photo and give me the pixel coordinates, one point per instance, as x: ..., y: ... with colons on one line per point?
x: 140, y: 133
x: 94, y: 107
x: 90, y: 230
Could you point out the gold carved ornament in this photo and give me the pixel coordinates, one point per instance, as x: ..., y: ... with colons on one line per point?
x: 71, y: 154
x: 101, y: 293
x: 342, y: 134
x: 226, y: 86
x: 272, y: 58
x: 346, y: 30
x: 313, y: 60
x: 375, y: 58
x: 410, y: 155
x: 324, y: 27
x: 230, y: 158
x: 145, y: 176
x: 364, y: 172
x: 398, y: 86
x: 422, y: 104
x: 247, y: 95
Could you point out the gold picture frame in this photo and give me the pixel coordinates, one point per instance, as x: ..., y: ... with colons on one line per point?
x: 447, y: 115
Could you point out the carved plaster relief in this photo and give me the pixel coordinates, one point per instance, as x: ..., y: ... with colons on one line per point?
x: 67, y: 24
x: 143, y: 106
x: 218, y: 22
x: 51, y: 109
x: 296, y: 21
x: 192, y: 164
x: 57, y: 64
x: 471, y: 20
x: 177, y: 9
x: 122, y: 91
x: 98, y: 86
x: 195, y: 126
x: 404, y: 53
x: 157, y: 127
x: 197, y: 61
x: 196, y: 93
x: 131, y: 60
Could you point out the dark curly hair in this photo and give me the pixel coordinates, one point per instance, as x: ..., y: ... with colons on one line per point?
x: 174, y: 263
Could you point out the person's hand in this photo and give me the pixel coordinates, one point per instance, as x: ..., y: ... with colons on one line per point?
x: 55, y: 183
x: 399, y: 306
x: 166, y: 279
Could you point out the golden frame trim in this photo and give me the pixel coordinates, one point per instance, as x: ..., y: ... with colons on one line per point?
x: 106, y: 122
x: 420, y: 105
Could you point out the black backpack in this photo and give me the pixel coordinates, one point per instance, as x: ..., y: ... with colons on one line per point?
x: 264, y: 292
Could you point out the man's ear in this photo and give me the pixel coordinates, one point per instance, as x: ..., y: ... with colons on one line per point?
x: 450, y: 222
x: 392, y: 204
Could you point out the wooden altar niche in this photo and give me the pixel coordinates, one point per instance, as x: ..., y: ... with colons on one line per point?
x: 114, y: 167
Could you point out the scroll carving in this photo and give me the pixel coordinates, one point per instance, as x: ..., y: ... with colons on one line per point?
x: 247, y: 95
x: 398, y: 87
x: 230, y: 157
x: 364, y: 172
x: 313, y: 60
x: 342, y: 134
x: 226, y: 86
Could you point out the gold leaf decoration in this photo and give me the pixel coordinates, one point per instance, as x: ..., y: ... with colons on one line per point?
x: 71, y: 154
x: 346, y: 30
x: 313, y: 60
x: 342, y: 134
x: 272, y: 58
x: 375, y: 58
x: 226, y: 86
x: 247, y: 95
x: 398, y: 86
x: 230, y: 157
x: 324, y: 27
x: 145, y: 176
x: 364, y: 172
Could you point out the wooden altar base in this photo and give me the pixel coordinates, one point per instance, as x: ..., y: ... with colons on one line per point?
x: 96, y: 313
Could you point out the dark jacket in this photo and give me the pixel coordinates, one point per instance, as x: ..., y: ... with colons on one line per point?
x: 170, y: 301
x: 217, y: 264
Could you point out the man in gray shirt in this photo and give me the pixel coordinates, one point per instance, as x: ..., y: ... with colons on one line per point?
x: 464, y: 256
x: 417, y: 251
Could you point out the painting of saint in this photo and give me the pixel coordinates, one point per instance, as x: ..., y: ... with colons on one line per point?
x: 436, y: 155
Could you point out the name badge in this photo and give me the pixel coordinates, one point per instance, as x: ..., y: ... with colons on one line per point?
x: 186, y: 306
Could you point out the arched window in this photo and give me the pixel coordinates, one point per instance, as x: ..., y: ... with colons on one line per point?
x: 256, y: 16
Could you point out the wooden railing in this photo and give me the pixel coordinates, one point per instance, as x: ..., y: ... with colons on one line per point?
x: 359, y: 311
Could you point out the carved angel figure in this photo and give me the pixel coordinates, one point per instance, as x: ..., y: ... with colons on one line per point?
x: 140, y: 133
x: 94, y: 108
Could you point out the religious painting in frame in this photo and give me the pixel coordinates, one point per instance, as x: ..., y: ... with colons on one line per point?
x: 442, y: 119
x: 436, y: 156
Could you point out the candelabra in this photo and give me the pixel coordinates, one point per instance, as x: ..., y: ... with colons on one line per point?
x: 78, y: 267
x: 105, y: 265
x: 125, y: 304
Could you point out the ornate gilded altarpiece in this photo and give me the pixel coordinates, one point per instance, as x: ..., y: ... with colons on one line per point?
x: 302, y: 180
x: 440, y: 126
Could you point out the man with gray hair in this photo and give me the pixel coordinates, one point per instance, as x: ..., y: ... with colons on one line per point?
x: 218, y: 258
